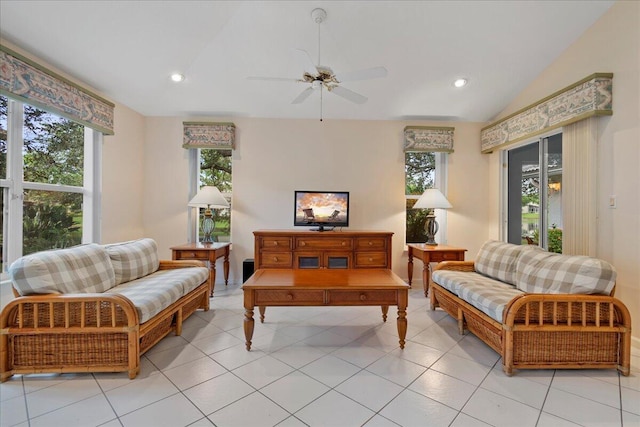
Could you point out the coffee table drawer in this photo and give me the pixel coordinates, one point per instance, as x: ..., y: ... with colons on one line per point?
x: 290, y: 297
x: 364, y: 297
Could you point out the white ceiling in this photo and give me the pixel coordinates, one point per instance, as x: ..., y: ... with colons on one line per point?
x: 127, y: 49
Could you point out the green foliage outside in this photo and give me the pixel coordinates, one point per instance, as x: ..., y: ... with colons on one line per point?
x: 419, y: 175
x: 215, y: 170
x: 554, y: 238
x: 53, y: 153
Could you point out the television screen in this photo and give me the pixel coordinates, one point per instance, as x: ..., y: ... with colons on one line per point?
x: 321, y: 209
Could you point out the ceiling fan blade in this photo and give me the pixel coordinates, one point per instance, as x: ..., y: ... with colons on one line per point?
x: 303, y: 95
x: 366, y: 74
x: 305, y: 60
x: 349, y: 95
x: 279, y: 79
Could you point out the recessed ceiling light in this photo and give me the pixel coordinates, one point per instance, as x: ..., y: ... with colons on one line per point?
x: 460, y: 82
x: 177, y: 77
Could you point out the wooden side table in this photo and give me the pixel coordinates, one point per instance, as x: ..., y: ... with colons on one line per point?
x: 209, y: 252
x: 428, y: 254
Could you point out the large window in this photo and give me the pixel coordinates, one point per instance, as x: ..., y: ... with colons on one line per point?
x: 423, y: 170
x: 214, y: 169
x: 47, y: 180
x: 534, y: 193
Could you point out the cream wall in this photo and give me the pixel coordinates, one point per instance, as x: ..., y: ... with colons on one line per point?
x: 274, y: 157
x: 612, y: 44
x: 123, y: 158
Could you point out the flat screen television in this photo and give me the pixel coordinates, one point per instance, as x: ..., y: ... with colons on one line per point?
x: 321, y: 209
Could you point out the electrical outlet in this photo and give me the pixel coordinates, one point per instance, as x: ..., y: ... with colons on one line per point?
x: 612, y: 202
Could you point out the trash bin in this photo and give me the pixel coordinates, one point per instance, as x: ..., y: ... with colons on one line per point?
x: 247, y: 269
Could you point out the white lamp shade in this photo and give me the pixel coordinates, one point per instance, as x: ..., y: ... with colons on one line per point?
x: 209, y: 197
x: 432, y: 198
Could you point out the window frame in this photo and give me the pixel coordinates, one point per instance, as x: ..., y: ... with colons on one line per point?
x: 13, y: 185
x: 439, y: 182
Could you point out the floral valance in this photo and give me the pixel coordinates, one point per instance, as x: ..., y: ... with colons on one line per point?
x: 217, y: 136
x: 591, y: 96
x: 23, y: 79
x: 428, y: 138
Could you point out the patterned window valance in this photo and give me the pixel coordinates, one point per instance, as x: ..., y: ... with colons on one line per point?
x: 428, y: 138
x: 33, y: 84
x: 217, y: 136
x: 591, y: 96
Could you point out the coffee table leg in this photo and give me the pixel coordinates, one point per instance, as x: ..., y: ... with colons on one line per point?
x: 248, y: 326
x: 385, y: 310
x: 402, y: 325
x: 262, y: 309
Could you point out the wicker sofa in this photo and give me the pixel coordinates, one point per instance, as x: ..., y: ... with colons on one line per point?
x: 95, y: 308
x: 538, y: 310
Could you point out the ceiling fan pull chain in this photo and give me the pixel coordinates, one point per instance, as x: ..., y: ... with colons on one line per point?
x: 320, y: 103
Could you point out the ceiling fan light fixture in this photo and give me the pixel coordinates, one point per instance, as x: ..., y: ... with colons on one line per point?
x: 177, y: 77
x: 461, y: 82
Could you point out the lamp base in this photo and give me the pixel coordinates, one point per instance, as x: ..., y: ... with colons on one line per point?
x: 207, y: 226
x: 431, y: 227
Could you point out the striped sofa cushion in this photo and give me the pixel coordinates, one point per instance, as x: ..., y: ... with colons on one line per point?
x: 453, y: 280
x: 544, y: 272
x: 498, y: 260
x: 491, y: 298
x: 79, y: 269
x: 134, y: 259
x: 155, y: 292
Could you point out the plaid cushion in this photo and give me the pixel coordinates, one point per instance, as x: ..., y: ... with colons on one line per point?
x: 134, y: 259
x: 498, y: 260
x: 490, y: 298
x: 80, y: 269
x: 453, y: 280
x: 155, y: 292
x: 543, y: 272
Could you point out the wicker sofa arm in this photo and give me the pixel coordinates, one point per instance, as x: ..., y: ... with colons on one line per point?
x: 78, y: 312
x: 596, y: 324
x: 173, y: 264
x: 455, y: 265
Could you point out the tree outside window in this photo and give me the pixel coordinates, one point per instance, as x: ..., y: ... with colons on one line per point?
x: 420, y: 173
x: 215, y: 170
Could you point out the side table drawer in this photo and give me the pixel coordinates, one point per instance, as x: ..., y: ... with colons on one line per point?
x: 195, y: 254
x: 275, y: 296
x: 371, y: 259
x: 446, y: 256
x: 275, y: 259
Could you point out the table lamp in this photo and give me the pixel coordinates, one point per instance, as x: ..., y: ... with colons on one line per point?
x: 432, y: 199
x: 208, y: 197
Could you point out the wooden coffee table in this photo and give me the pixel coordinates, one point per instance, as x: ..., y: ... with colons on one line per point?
x: 325, y: 287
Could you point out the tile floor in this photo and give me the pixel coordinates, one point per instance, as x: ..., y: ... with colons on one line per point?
x: 323, y: 366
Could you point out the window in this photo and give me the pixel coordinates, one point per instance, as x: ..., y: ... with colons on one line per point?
x: 423, y: 170
x: 534, y: 193
x: 213, y: 168
x: 47, y: 179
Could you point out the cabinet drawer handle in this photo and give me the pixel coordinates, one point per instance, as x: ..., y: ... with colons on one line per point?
x: 302, y: 243
x: 344, y: 243
x: 275, y: 243
x: 275, y: 259
x: 370, y: 243
x: 290, y: 297
x: 370, y: 259
x: 363, y: 297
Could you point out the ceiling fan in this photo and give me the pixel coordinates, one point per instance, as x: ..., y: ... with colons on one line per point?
x: 322, y: 77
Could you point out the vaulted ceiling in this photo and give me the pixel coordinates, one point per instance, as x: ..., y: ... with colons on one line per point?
x: 127, y: 50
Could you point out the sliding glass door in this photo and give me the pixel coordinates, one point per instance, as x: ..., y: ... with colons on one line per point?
x: 534, y: 193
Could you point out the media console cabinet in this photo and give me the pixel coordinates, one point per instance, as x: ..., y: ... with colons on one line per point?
x: 319, y: 250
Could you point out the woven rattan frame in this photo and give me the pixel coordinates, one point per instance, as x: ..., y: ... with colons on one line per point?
x: 547, y: 331
x: 87, y: 332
